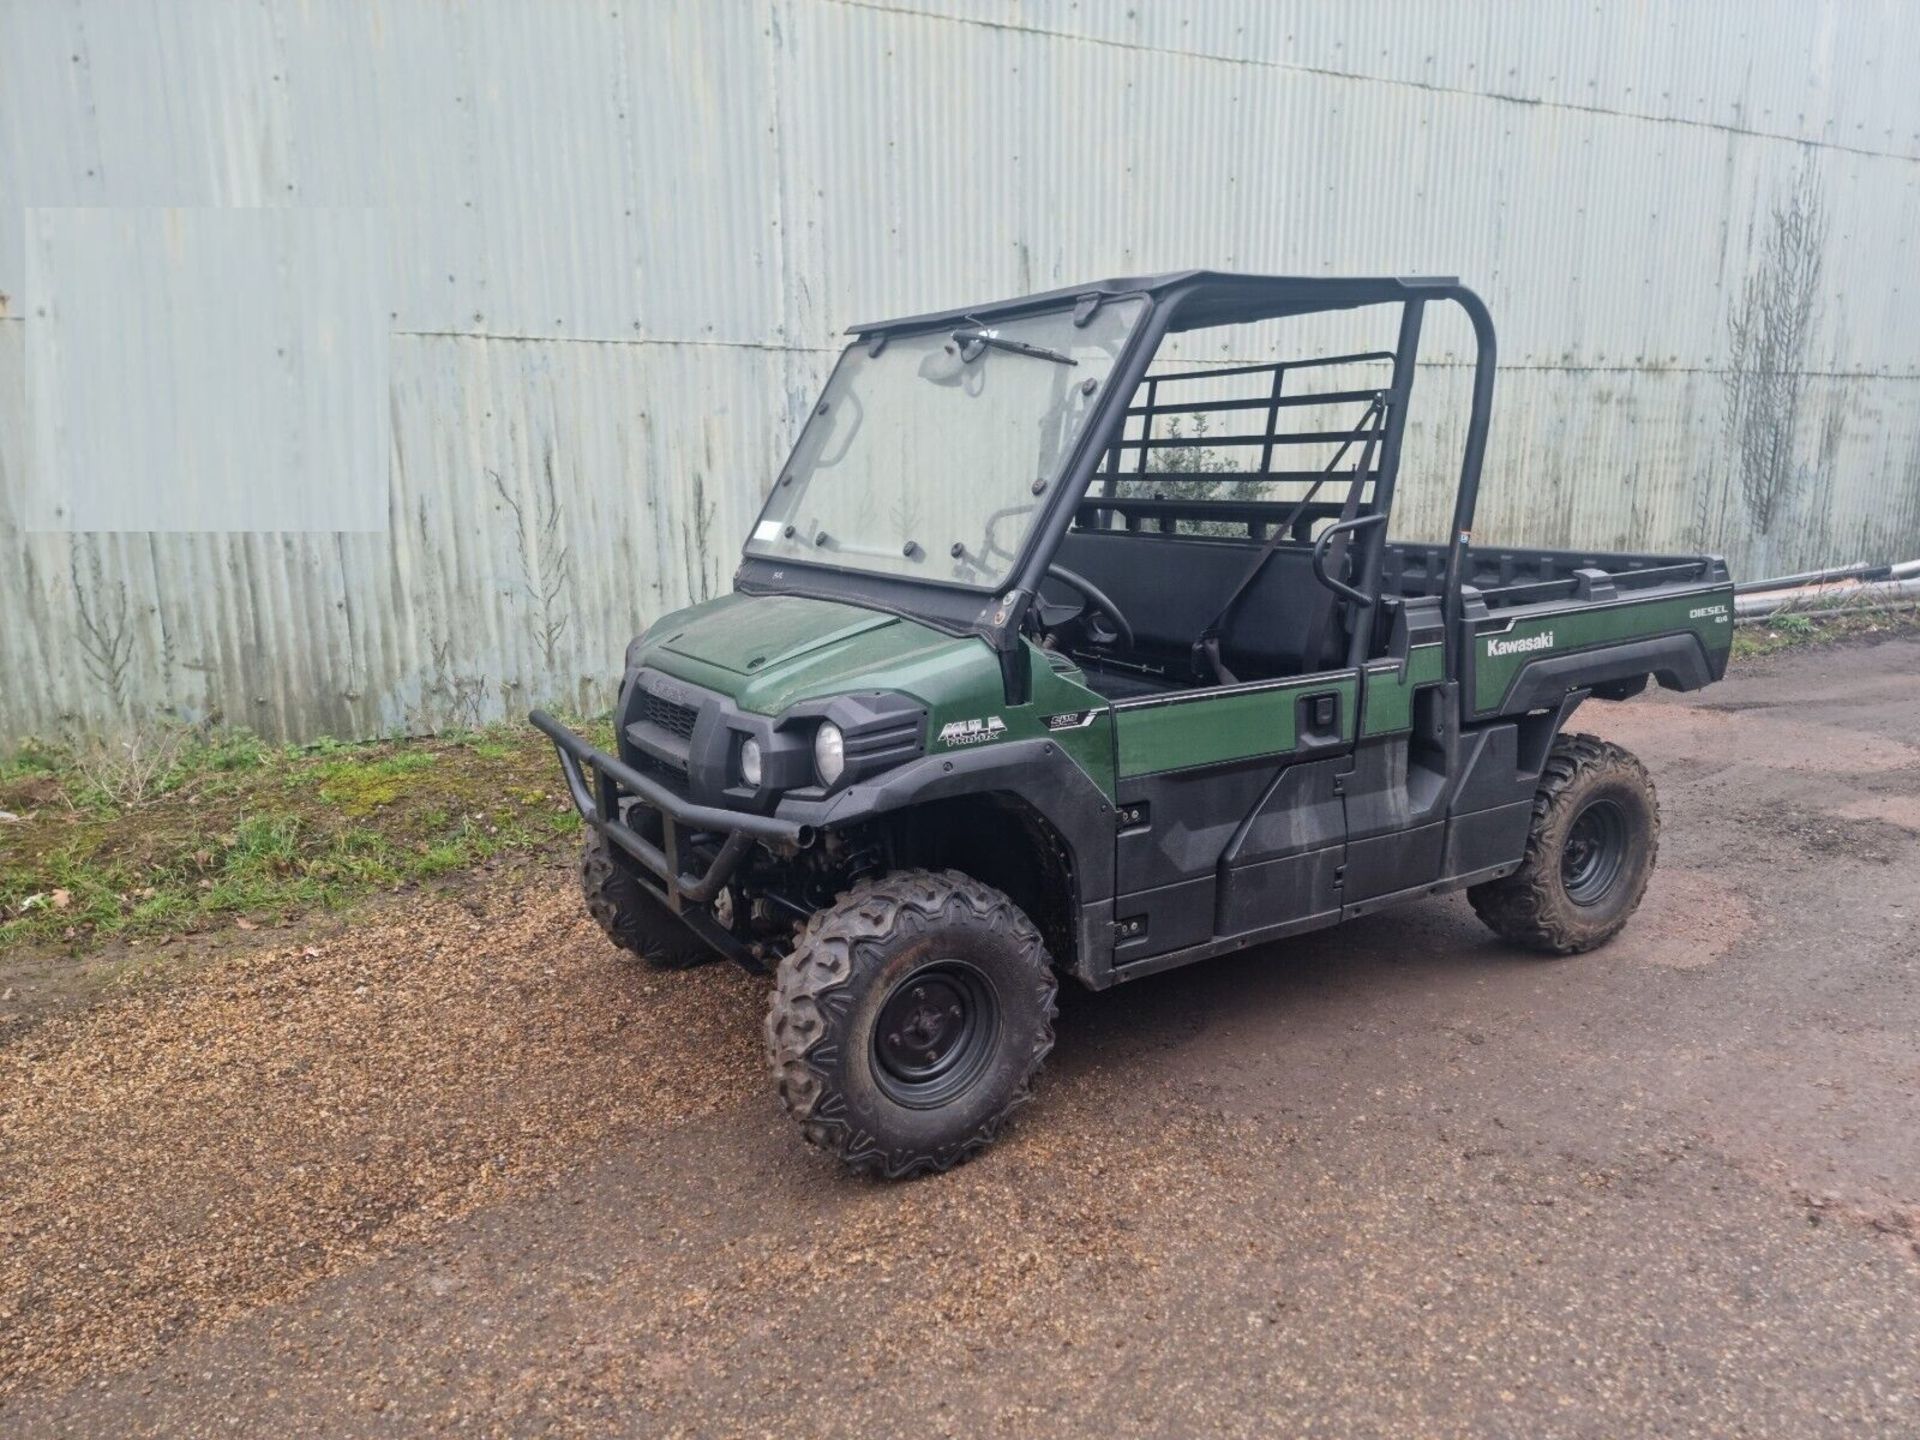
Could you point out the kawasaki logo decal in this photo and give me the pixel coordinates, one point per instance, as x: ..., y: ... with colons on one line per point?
x: 972, y: 732
x: 1542, y: 641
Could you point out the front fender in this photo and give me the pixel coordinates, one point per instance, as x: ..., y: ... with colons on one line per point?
x: 1038, y: 772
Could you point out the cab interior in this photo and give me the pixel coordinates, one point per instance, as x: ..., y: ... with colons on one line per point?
x: 1202, y: 522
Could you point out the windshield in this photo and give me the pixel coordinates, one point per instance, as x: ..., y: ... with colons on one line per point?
x: 931, y: 459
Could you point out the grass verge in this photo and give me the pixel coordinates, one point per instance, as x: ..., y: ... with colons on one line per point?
x: 1786, y: 631
x: 176, y: 834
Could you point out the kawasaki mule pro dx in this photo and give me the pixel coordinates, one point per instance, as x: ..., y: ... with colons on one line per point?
x: 1046, y: 658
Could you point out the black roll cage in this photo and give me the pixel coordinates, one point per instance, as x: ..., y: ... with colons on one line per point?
x: 1187, y: 300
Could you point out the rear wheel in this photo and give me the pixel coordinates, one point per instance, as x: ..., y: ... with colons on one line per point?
x: 1590, y: 852
x: 909, y: 1020
x: 632, y: 918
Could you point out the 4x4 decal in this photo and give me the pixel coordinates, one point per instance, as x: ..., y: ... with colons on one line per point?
x: 972, y: 732
x: 1071, y: 720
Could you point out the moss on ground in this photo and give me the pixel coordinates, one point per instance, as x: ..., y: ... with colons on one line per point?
x: 229, y: 829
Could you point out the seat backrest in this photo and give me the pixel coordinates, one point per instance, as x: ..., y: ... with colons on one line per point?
x: 1172, y: 586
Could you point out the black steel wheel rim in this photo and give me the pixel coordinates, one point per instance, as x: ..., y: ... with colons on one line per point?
x: 1595, y: 852
x: 935, y: 1034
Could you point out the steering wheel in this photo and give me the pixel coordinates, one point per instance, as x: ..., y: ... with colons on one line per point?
x: 1092, y: 595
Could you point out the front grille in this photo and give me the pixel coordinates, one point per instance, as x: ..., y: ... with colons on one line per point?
x: 659, y: 730
x: 666, y: 715
x: 673, y: 776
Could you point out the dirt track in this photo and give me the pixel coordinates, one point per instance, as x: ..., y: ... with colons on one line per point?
x: 1392, y: 1179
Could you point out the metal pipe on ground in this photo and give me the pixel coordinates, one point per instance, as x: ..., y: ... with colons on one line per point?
x: 1895, y: 608
x: 1838, y: 599
x: 1859, y: 570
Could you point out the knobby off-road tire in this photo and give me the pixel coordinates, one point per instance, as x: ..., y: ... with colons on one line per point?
x: 1590, y: 852
x: 633, y: 919
x: 909, y: 1020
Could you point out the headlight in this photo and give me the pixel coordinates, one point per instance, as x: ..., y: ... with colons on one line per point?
x: 829, y: 752
x: 750, y: 762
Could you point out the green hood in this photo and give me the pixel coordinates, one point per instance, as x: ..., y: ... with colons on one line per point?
x: 767, y: 632
x: 769, y: 651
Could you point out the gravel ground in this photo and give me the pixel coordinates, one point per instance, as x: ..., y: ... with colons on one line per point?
x: 457, y: 1167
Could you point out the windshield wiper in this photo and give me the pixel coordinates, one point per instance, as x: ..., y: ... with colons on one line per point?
x: 984, y: 336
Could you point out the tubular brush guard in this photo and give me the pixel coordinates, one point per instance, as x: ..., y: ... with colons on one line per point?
x: 598, y: 802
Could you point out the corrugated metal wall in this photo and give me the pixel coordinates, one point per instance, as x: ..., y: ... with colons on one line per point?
x: 611, y: 247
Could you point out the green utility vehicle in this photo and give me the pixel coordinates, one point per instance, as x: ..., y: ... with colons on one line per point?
x: 1054, y: 652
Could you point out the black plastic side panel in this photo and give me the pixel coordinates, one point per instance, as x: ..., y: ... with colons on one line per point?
x: 1273, y: 857
x: 1490, y: 769
x: 1302, y: 810
x: 1284, y: 864
x: 1292, y: 888
x: 1093, y: 963
x: 1191, y: 817
x: 1387, y: 793
x: 1485, y: 835
x: 1394, y: 862
x: 1169, y: 918
x: 1678, y: 662
x: 1220, y: 945
x: 1487, y: 838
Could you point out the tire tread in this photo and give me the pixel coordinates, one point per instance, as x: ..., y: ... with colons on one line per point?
x: 1523, y: 908
x: 631, y: 918
x: 814, y: 982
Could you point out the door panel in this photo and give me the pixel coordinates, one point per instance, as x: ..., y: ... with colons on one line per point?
x: 1392, y: 684
x: 1197, y: 728
x: 1397, y: 787
x: 1303, y: 809
x: 1294, y: 889
x: 1389, y: 863
x: 1186, y: 821
x: 1208, y: 782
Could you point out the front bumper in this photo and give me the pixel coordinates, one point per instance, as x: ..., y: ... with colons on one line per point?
x: 604, y: 802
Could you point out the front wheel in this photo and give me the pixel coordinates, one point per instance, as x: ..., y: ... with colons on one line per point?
x: 909, y: 1021
x: 1590, y: 852
x: 631, y: 917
